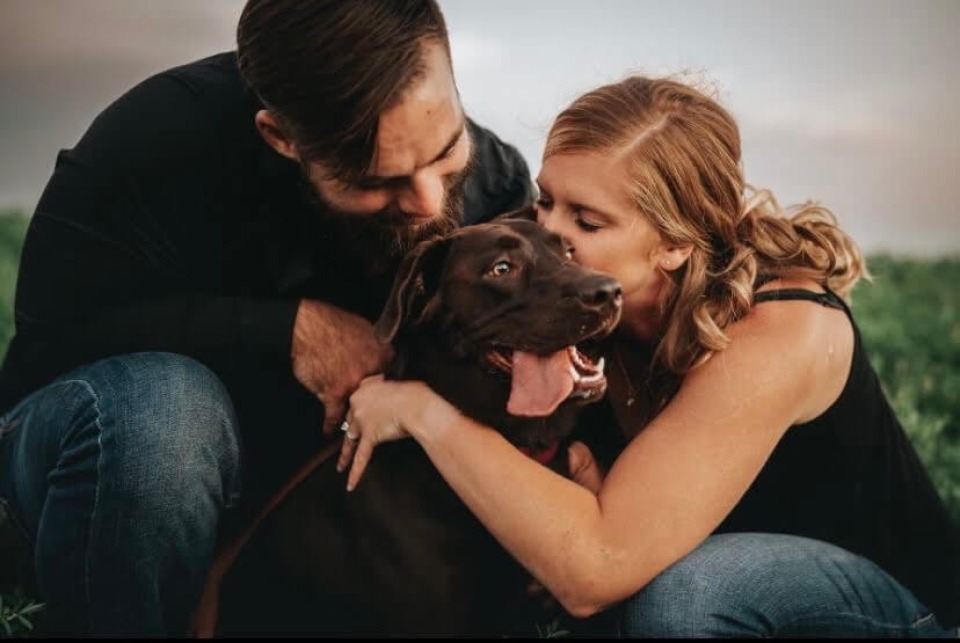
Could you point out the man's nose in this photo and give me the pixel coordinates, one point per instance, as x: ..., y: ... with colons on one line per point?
x: 424, y: 196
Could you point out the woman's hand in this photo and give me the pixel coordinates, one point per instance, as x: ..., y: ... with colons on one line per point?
x: 383, y: 411
x: 584, y: 468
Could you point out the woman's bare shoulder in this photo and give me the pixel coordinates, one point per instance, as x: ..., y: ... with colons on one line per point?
x: 812, y: 341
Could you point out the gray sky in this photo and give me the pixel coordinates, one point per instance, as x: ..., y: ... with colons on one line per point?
x: 852, y: 103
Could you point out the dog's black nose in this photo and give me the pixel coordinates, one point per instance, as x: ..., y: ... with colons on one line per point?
x: 600, y: 290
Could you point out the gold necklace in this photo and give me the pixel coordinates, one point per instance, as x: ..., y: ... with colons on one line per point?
x: 631, y: 392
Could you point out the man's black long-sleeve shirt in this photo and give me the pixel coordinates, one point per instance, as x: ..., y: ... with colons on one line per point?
x: 172, y: 226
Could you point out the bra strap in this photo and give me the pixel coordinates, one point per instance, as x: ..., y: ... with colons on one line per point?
x: 828, y: 299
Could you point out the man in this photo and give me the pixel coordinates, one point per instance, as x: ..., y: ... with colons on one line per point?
x: 200, y: 278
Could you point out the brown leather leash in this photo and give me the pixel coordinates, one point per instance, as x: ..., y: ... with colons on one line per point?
x: 204, y: 622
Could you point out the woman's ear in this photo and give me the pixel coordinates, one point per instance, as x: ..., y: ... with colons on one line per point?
x: 275, y: 136
x: 673, y: 257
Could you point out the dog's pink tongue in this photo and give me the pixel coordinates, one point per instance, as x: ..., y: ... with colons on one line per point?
x: 540, y: 384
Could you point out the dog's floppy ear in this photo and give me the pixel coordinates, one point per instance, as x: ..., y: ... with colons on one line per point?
x: 526, y: 213
x: 417, y: 276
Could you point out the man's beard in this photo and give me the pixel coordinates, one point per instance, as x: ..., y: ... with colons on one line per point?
x: 389, y: 232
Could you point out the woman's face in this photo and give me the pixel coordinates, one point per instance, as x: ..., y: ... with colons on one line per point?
x: 584, y: 198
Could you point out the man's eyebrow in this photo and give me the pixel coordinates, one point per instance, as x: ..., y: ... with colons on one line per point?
x: 461, y: 131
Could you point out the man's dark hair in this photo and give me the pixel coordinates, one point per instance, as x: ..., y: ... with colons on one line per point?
x: 327, y: 69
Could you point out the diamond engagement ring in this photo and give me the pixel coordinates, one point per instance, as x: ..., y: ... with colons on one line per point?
x: 345, y: 427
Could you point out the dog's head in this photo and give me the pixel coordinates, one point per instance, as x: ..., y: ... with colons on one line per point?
x: 499, y: 319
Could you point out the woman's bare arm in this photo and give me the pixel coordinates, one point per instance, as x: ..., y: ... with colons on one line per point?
x: 669, y: 489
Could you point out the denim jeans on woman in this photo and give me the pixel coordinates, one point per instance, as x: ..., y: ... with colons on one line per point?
x: 774, y: 585
x: 119, y: 471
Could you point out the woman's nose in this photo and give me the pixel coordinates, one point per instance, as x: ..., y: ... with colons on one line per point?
x: 544, y: 219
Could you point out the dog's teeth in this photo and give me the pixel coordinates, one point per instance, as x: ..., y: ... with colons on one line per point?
x: 580, y: 359
x: 600, y: 365
x: 591, y: 379
x: 575, y: 374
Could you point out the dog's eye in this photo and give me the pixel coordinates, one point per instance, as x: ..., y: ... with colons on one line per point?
x: 500, y: 269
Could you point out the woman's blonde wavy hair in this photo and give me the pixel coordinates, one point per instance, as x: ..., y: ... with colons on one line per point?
x: 686, y: 175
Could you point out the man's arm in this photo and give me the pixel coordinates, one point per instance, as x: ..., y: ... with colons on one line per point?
x: 125, y: 250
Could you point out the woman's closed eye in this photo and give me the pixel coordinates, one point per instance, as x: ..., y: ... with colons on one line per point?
x: 586, y: 220
x: 584, y: 224
x: 583, y: 221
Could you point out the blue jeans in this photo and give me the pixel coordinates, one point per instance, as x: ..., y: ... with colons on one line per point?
x: 119, y: 471
x: 774, y: 585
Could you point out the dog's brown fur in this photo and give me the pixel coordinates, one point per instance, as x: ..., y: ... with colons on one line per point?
x: 401, y: 555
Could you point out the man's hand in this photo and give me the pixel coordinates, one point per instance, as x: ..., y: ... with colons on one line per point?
x: 332, y: 351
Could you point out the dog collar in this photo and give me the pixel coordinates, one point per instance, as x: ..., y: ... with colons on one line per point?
x: 543, y: 456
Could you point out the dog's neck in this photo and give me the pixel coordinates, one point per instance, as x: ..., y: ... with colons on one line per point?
x: 461, y: 375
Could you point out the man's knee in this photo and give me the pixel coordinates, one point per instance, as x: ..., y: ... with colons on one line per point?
x: 163, y: 424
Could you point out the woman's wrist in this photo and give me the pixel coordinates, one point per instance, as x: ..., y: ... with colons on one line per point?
x: 432, y: 416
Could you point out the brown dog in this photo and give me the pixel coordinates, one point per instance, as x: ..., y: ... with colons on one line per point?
x: 491, y: 317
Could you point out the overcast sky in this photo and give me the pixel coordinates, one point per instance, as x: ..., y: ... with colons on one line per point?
x: 853, y: 103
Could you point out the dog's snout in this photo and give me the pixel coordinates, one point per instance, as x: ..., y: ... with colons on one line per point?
x: 599, y: 291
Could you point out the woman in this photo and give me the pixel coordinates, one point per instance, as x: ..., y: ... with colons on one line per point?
x: 766, y: 488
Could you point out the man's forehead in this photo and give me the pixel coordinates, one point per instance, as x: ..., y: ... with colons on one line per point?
x: 423, y: 124
x: 397, y: 159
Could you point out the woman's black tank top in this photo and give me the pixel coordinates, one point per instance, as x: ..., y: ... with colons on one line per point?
x: 852, y: 478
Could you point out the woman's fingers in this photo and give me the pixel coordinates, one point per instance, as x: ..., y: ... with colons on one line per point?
x: 361, y: 458
x: 350, y: 441
x: 372, y: 420
x: 583, y: 467
x: 356, y: 450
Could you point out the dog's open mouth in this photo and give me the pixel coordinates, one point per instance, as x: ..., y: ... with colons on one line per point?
x: 540, y: 383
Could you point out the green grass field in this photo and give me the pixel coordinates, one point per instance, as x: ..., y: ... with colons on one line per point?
x: 12, y: 228
x: 909, y: 316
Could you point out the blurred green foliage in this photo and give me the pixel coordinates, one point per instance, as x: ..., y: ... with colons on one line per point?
x: 13, y: 225
x: 909, y: 317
